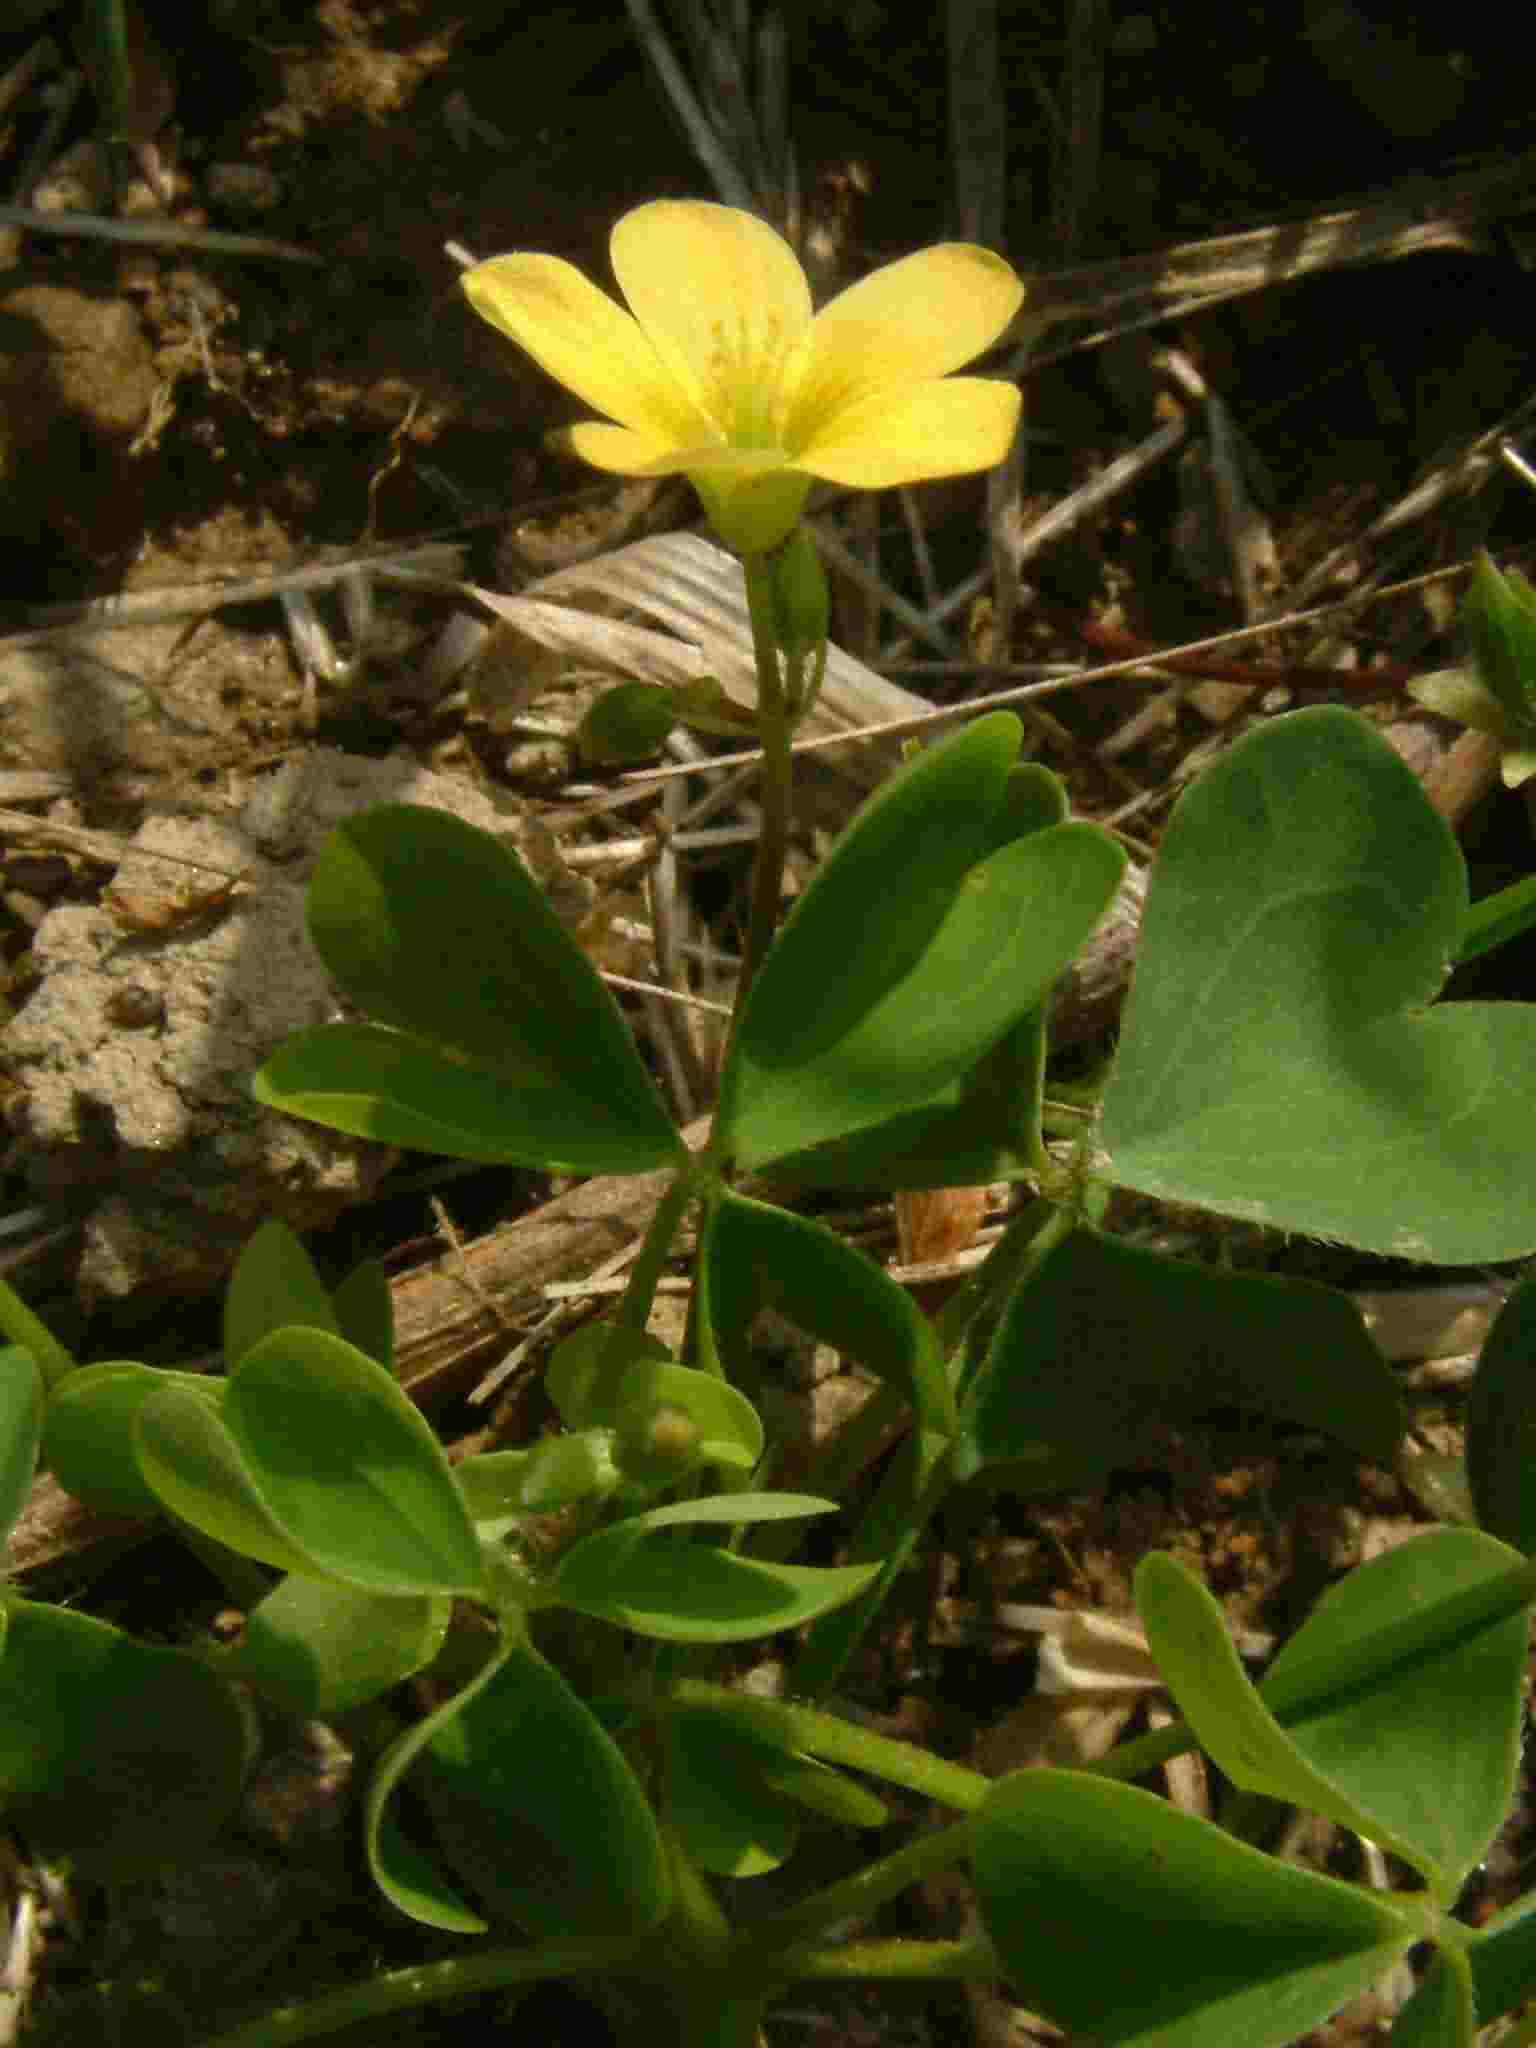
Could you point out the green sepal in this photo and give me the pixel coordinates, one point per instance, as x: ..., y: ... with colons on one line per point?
x: 587, y: 1369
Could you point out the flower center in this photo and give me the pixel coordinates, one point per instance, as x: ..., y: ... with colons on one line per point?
x: 746, y: 372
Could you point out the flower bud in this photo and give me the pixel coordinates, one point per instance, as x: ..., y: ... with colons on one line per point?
x: 658, y: 1446
x: 801, y: 606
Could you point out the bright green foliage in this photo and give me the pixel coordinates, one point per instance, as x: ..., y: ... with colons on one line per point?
x: 21, y: 1424
x: 118, y: 1755
x: 1495, y: 920
x: 566, y: 1839
x: 318, y: 1463
x: 984, y: 1124
x: 321, y: 1649
x: 1442, y: 2013
x: 1498, y: 695
x: 194, y: 1465
x: 399, y: 1090
x: 1106, y: 1347
x: 725, y: 1429
x: 1279, y: 1060
x: 1456, y: 1716
x: 274, y: 1285
x: 365, y: 1312
x: 88, y: 1434
x: 757, y: 1256
x: 501, y: 1037
x: 1118, y: 1916
x: 739, y: 1801
x: 646, y: 1576
x: 727, y: 1815
x: 1503, y: 1972
x: 1449, y: 1717
x: 587, y: 1369
x: 500, y: 1488
x: 801, y: 601
x: 957, y: 942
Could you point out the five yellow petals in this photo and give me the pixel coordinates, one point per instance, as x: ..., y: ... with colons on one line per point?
x: 721, y: 370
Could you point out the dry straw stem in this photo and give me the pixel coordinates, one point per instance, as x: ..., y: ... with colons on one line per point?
x: 1408, y: 219
x: 438, y: 560
x: 1023, y: 693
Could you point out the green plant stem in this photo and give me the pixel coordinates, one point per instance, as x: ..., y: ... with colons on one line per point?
x: 895, y: 1962
x: 1035, y: 1230
x: 1498, y: 918
x: 32, y: 1334
x: 775, y: 793
x: 651, y: 1260
x: 707, y: 2000
x: 777, y: 1941
x: 1457, y: 1963
x: 427, y: 1984
x: 833, y: 1469
x: 910, y: 1490
x: 111, y: 40
x: 243, y: 1580
x: 787, y: 1724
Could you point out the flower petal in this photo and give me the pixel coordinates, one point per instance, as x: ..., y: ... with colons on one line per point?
x: 723, y: 302
x: 910, y: 321
x: 620, y: 450
x: 582, y: 338
x: 626, y: 453
x: 944, y: 428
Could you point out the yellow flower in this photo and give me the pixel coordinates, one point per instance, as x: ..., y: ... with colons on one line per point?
x: 720, y: 369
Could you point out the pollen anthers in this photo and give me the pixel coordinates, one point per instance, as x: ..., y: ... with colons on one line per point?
x: 747, y: 365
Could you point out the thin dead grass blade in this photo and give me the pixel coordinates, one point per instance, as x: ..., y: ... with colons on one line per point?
x: 1077, y: 179
x: 978, y: 120
x: 729, y: 99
